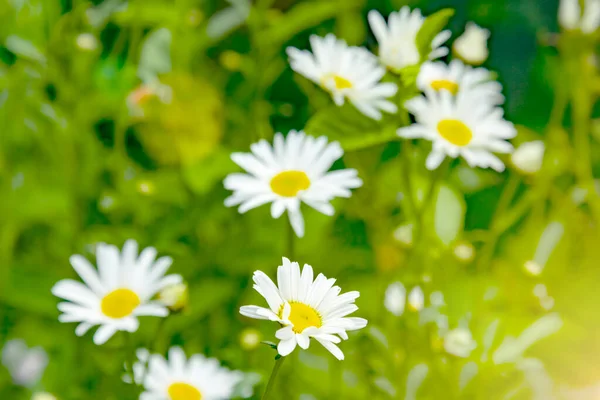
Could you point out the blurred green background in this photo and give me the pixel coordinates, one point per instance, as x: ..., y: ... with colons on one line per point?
x: 91, y: 151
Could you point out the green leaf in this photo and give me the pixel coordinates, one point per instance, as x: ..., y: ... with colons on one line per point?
x: 155, y: 56
x: 449, y: 217
x: 431, y: 27
x: 352, y: 129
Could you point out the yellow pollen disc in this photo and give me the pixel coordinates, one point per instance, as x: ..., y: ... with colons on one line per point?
x: 289, y: 183
x: 339, y: 82
x: 450, y: 86
x: 119, y: 303
x: 303, y: 316
x: 455, y: 131
x: 183, y: 391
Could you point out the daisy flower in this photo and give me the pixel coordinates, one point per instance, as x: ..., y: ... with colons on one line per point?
x: 294, y: 170
x: 460, y: 125
x: 346, y: 73
x: 305, y: 308
x: 180, y: 378
x: 398, y: 38
x: 456, y: 77
x: 117, y: 293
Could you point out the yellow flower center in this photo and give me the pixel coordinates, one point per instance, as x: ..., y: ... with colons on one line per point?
x: 455, y: 131
x: 450, y: 86
x: 289, y: 183
x: 183, y: 391
x: 119, y: 303
x: 304, y: 316
x: 339, y: 82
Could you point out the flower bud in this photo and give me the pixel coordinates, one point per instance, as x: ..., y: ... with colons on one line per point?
x: 416, y: 299
x: 464, y: 252
x: 529, y: 156
x: 42, y: 396
x: 395, y: 298
x: 250, y: 339
x: 175, y: 297
x: 87, y: 41
x: 471, y: 46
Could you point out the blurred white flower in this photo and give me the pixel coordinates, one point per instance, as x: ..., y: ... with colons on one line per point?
x: 395, y: 298
x: 471, y: 46
x: 437, y: 299
x: 529, y: 156
x: 26, y: 366
x: 346, y: 72
x: 305, y: 308
x: 87, y: 41
x: 461, y: 125
x: 398, y: 38
x: 571, y: 17
x: 540, y: 290
x: 459, y: 342
x: 42, y: 396
x: 293, y: 170
x: 456, y: 77
x: 117, y: 293
x: 416, y: 299
x: 180, y: 378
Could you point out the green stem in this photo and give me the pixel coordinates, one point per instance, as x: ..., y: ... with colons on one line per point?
x: 152, y: 348
x: 270, y: 384
x: 488, y: 249
x: 290, y: 245
x: 129, y: 355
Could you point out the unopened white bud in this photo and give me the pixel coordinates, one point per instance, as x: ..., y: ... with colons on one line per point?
x: 175, y: 297
x: 416, y: 299
x: 464, y: 251
x: 395, y: 298
x: 533, y: 268
x: 404, y: 234
x: 87, y: 41
x: 529, y: 156
x: 42, y: 396
x: 471, y: 46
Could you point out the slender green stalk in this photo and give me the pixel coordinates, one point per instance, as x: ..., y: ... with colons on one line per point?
x: 129, y: 355
x: 152, y: 348
x: 506, y: 198
x: 270, y: 384
x: 290, y: 245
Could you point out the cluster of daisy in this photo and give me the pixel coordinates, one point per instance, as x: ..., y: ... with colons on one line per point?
x: 127, y: 285
x: 459, y: 113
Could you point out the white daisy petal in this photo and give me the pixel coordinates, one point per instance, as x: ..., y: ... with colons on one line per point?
x: 285, y: 347
x: 104, y: 333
